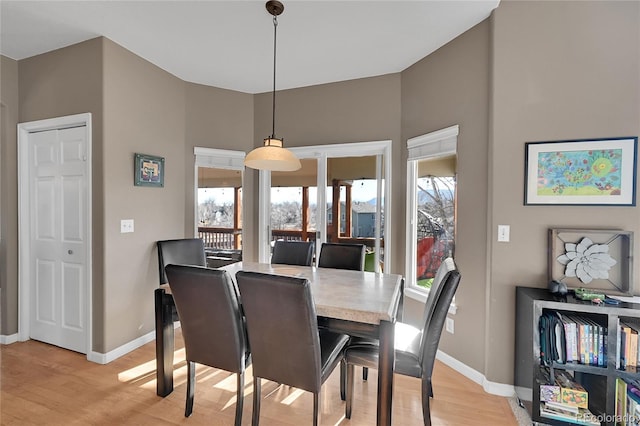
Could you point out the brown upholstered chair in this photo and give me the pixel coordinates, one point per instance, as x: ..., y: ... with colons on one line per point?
x: 286, y: 345
x: 416, y: 353
x: 342, y: 256
x: 212, y: 325
x: 292, y: 253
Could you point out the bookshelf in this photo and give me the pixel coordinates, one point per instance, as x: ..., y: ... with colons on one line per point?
x: 599, y: 381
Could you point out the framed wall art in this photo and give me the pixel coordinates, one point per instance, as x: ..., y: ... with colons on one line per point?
x: 148, y: 170
x: 595, y: 259
x: 581, y: 172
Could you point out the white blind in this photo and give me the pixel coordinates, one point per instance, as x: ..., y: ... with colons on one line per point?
x: 435, y: 144
x: 219, y: 158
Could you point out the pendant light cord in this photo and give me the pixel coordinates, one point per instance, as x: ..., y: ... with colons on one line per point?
x: 273, y: 96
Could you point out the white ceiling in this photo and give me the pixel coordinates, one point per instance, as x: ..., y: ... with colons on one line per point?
x: 229, y: 44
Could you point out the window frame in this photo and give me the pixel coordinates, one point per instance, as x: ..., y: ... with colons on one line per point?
x: 436, y: 144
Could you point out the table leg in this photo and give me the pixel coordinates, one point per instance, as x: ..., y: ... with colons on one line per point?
x: 386, y: 362
x: 164, y: 343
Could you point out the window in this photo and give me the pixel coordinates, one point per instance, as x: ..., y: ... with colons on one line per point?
x: 219, y: 201
x: 326, y: 196
x: 431, y: 201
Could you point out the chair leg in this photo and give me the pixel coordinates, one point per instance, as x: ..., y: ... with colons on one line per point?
x: 315, y: 409
x: 365, y: 373
x: 239, y: 398
x: 350, y: 374
x: 426, y: 407
x: 343, y: 379
x: 191, y: 385
x: 255, y: 418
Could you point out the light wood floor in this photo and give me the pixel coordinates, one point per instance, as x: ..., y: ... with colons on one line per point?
x: 42, y: 384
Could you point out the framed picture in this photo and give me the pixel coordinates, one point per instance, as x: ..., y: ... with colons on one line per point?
x: 581, y: 172
x: 595, y: 259
x: 148, y: 170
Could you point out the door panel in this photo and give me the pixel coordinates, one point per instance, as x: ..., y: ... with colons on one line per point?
x: 59, y: 190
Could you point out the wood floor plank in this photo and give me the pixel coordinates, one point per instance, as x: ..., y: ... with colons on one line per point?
x: 43, y: 384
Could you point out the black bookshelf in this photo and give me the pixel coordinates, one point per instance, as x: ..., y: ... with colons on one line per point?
x: 599, y: 381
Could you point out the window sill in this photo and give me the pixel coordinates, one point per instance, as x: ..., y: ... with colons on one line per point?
x: 421, y: 296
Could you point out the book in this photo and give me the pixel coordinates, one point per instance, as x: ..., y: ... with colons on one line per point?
x: 621, y: 400
x: 582, y: 417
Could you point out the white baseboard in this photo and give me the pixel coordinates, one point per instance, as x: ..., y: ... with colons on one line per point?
x: 122, y: 350
x: 7, y: 340
x: 493, y: 388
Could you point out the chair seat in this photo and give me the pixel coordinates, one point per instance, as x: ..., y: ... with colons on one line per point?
x: 364, y: 352
x: 407, y: 363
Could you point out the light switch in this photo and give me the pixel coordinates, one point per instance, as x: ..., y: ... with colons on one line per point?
x: 503, y: 233
x: 126, y: 225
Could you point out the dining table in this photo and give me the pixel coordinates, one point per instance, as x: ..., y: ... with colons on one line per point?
x: 357, y: 303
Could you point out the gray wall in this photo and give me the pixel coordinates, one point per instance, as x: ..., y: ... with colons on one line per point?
x: 8, y: 196
x: 448, y: 87
x: 561, y: 70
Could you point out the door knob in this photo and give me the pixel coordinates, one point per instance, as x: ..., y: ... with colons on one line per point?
x: 70, y: 251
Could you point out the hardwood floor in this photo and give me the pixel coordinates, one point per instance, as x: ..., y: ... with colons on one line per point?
x: 42, y: 384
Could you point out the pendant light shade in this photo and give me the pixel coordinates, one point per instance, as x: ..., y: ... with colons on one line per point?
x: 273, y: 155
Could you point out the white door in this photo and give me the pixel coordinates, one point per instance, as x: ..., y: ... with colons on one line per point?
x: 58, y: 271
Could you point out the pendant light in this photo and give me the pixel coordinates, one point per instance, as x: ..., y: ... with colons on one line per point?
x: 273, y: 155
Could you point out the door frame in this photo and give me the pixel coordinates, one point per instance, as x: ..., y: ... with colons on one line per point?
x: 24, y: 224
x: 382, y: 149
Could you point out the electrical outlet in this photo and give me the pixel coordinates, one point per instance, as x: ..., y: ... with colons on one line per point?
x: 449, y: 325
x: 126, y: 225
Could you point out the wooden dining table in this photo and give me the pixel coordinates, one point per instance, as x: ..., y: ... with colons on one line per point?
x: 363, y: 304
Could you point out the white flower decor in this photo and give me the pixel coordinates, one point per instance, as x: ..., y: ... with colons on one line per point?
x: 586, y: 260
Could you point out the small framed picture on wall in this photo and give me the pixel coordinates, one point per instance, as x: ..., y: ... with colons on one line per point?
x: 148, y: 170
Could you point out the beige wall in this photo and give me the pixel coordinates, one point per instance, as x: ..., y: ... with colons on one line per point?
x: 221, y: 119
x: 8, y: 196
x: 446, y: 88
x: 144, y: 112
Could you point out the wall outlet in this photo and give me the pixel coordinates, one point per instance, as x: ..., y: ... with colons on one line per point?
x: 126, y: 225
x: 448, y: 325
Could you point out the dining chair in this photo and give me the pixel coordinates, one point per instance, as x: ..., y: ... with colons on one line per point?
x: 292, y: 252
x: 447, y: 265
x: 212, y: 325
x: 184, y: 251
x: 286, y: 345
x: 342, y: 256
x: 415, y: 350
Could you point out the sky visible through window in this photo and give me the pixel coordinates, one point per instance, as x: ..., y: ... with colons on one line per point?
x: 363, y: 190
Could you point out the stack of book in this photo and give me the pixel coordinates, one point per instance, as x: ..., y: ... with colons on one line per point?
x: 568, y: 338
x: 568, y: 413
x: 562, y: 398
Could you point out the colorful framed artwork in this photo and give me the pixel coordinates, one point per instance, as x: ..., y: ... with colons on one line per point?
x: 148, y: 170
x: 581, y: 172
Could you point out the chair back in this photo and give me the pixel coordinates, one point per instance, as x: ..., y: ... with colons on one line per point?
x: 445, y: 267
x: 342, y: 256
x: 210, y: 316
x: 282, y: 328
x: 292, y: 252
x: 186, y: 251
x: 433, y: 328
